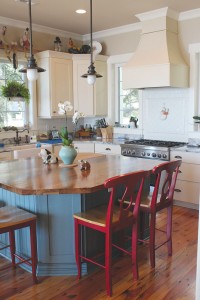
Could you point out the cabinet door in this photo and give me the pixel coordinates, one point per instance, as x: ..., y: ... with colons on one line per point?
x: 61, y: 83
x: 54, y: 85
x: 100, y: 90
x: 83, y: 92
x: 56, y: 149
x: 43, y: 89
x: 5, y: 156
x: 90, y: 99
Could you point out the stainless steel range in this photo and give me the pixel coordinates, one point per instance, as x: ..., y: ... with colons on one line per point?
x: 151, y: 149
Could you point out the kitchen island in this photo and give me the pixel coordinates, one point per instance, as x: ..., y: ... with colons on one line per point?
x: 54, y: 193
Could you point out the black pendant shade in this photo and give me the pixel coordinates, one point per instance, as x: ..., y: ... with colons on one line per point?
x: 31, y: 69
x: 91, y: 74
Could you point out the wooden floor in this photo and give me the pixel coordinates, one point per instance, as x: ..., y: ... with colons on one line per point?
x: 173, y: 278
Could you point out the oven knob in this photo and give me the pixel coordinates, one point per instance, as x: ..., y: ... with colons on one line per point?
x: 124, y: 152
x: 148, y: 154
x: 159, y: 155
x: 143, y: 153
x: 164, y: 155
x: 133, y: 152
x: 153, y: 154
x: 129, y: 152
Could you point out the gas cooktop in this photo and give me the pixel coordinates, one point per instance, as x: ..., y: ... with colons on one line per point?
x: 154, y: 143
x: 152, y: 149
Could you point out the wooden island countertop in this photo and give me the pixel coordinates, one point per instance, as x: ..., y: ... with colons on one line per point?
x: 54, y: 193
x: 30, y: 176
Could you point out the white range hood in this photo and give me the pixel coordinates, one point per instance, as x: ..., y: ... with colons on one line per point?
x: 158, y: 61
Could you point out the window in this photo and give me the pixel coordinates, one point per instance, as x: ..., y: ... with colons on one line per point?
x: 128, y: 101
x: 12, y: 113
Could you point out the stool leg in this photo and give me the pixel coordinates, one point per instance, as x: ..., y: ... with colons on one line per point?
x: 169, y: 230
x: 108, y: 254
x: 152, y: 239
x: 77, y: 247
x: 12, y: 246
x: 134, y: 251
x: 33, y: 249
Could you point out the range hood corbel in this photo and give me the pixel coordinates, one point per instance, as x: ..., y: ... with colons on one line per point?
x: 158, y: 61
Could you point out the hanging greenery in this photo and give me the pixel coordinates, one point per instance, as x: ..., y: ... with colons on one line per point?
x: 15, y: 89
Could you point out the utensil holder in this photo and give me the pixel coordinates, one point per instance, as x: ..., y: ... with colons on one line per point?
x: 107, y: 133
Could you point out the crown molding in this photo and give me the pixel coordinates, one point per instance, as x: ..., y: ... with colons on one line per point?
x: 157, y: 13
x: 113, y: 31
x: 190, y: 14
x: 39, y: 28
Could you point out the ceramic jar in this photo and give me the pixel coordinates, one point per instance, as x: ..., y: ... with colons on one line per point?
x: 68, y: 154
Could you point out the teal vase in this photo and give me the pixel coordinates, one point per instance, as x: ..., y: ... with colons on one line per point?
x: 68, y: 154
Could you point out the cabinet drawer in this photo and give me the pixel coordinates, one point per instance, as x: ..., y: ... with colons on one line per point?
x: 56, y: 149
x: 107, y: 149
x: 84, y: 147
x: 5, y: 156
x: 189, y: 172
x: 187, y: 192
x: 188, y: 157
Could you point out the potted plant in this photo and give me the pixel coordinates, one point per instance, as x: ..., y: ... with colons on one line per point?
x: 14, y: 89
x: 67, y: 152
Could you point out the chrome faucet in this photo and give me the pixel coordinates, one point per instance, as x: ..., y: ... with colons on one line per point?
x: 17, y: 139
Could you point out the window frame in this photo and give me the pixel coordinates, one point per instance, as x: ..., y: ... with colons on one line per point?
x: 24, y: 78
x: 117, y: 95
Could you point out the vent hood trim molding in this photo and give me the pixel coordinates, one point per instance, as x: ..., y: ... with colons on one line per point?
x: 157, y: 61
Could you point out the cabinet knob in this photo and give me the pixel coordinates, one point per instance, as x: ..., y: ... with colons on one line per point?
x: 108, y: 149
x: 179, y: 171
x: 177, y: 156
x: 177, y: 190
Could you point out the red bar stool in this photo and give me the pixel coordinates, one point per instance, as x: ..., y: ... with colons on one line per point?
x: 112, y: 218
x: 162, y: 198
x: 11, y: 219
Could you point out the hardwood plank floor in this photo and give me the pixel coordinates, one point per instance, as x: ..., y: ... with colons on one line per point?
x: 173, y: 278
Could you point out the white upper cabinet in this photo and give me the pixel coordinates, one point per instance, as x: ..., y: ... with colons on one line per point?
x: 90, y: 99
x: 55, y: 84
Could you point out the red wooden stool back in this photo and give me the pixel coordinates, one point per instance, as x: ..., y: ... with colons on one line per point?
x: 112, y: 218
x: 162, y: 198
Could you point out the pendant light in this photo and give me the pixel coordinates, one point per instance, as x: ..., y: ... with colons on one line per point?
x: 32, y: 69
x: 91, y: 74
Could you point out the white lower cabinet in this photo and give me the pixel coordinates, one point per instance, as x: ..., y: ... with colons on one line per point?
x: 188, y: 181
x: 84, y: 147
x: 5, y: 155
x: 31, y: 152
x: 107, y: 148
x: 81, y: 147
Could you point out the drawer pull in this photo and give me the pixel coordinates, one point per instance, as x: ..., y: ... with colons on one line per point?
x: 179, y: 171
x: 177, y: 156
x: 108, y: 149
x: 177, y: 190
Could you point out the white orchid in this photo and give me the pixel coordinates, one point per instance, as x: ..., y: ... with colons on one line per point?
x: 76, y: 117
x: 64, y: 107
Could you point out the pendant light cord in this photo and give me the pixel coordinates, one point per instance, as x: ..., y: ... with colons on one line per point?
x: 91, y: 50
x: 30, y: 24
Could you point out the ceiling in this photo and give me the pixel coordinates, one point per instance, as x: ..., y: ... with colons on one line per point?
x: 107, y: 14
